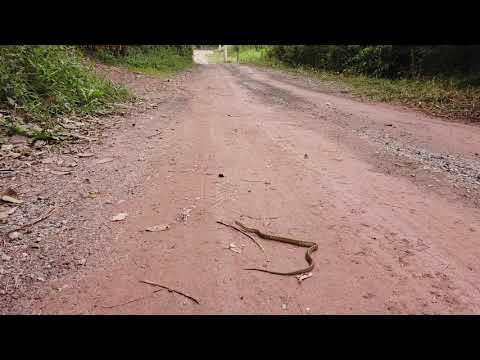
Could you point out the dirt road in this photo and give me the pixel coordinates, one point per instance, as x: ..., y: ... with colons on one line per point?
x: 389, y: 195
x: 201, y: 56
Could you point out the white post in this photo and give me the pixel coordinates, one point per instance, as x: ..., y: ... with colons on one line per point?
x: 225, y: 53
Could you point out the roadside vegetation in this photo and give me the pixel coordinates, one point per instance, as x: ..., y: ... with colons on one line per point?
x: 439, y: 80
x: 39, y: 84
x: 159, y: 60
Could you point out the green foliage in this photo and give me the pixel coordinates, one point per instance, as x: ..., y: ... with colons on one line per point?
x: 385, y: 73
x: 247, y: 54
x: 388, y: 61
x: 251, y: 54
x: 41, y: 82
x: 152, y: 59
x: 206, y: 47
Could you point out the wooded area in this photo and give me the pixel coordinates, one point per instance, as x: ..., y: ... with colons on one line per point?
x: 390, y: 61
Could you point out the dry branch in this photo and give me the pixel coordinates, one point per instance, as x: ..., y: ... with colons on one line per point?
x: 244, y: 233
x: 170, y: 290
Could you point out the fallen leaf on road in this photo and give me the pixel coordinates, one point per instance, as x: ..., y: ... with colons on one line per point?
x: 302, y: 277
x: 155, y: 228
x: 183, y: 216
x: 60, y: 172
x: 92, y: 194
x: 7, y: 147
x: 12, y: 200
x: 84, y: 155
x: 5, y: 213
x: 103, y: 161
x: 14, y: 235
x: 71, y: 164
x: 119, y: 217
x: 5, y: 257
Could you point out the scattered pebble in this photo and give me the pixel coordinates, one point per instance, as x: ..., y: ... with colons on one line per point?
x: 84, y: 155
x: 119, y: 217
x: 39, y: 144
x: 303, y: 277
x: 7, y: 147
x: 156, y: 228
x: 234, y: 248
x: 103, y: 161
x: 5, y: 257
x: 459, y: 169
x: 14, y: 235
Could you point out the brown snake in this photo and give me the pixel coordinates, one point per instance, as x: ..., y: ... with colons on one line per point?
x: 308, y: 244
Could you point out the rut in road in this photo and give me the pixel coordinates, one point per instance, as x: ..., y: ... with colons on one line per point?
x: 389, y: 243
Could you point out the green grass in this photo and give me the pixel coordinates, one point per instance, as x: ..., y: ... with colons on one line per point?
x: 452, y: 98
x: 161, y: 61
x: 438, y: 97
x: 251, y: 55
x: 39, y: 83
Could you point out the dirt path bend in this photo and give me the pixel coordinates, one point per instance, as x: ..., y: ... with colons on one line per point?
x: 397, y: 233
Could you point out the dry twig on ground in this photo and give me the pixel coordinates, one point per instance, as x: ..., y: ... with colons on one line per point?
x: 170, y: 290
x: 244, y: 233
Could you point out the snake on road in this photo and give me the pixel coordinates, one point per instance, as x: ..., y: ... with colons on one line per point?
x: 308, y: 255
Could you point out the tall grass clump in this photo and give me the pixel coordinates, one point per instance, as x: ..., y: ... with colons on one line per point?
x: 151, y: 59
x: 41, y: 82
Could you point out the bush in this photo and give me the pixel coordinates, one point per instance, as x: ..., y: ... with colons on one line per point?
x: 388, y: 61
x: 151, y: 58
x: 45, y: 81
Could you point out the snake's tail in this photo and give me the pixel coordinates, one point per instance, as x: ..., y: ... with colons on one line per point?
x: 298, y: 272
